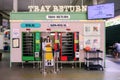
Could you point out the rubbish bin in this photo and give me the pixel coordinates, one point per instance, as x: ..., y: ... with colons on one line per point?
x: 0, y: 56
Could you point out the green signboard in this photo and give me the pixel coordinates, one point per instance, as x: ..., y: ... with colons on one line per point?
x: 48, y: 16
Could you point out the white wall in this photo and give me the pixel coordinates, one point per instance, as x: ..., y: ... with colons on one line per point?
x: 1, y: 41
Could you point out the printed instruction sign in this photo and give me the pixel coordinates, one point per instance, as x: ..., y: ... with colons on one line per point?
x: 16, y: 33
x: 92, y: 29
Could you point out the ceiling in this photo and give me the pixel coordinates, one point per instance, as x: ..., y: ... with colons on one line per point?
x: 7, y: 5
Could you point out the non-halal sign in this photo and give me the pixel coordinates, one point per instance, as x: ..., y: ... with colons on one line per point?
x: 58, y: 25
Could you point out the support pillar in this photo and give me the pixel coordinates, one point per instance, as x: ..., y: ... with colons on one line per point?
x: 94, y: 2
x: 15, y: 5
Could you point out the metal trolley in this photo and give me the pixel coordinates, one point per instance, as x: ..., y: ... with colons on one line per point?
x: 50, y: 64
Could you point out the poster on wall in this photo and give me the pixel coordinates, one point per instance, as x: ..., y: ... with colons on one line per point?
x: 91, y: 29
x: 5, y: 23
x: 92, y: 41
x: 16, y: 33
x: 15, y: 42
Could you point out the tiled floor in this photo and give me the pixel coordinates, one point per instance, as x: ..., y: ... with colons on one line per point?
x: 111, y: 72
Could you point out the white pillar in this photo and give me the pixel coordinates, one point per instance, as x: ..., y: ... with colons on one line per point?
x: 15, y: 5
x: 94, y: 2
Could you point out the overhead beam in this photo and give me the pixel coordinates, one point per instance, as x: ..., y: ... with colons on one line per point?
x: 74, y: 2
x: 4, y: 15
x: 82, y: 2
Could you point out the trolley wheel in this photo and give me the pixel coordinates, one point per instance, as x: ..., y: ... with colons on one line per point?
x: 72, y: 67
x: 61, y: 67
x: 33, y: 67
x: 44, y: 73
x: 58, y: 70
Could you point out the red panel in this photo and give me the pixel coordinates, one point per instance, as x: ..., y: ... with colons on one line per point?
x: 61, y: 45
x: 75, y: 45
x: 75, y: 59
x: 55, y: 45
x: 75, y: 38
x: 63, y: 58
